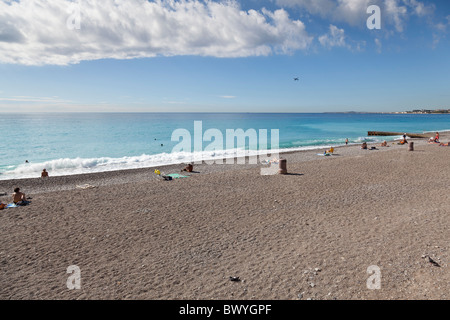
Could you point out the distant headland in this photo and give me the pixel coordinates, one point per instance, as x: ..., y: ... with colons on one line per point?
x: 421, y: 111
x: 426, y: 111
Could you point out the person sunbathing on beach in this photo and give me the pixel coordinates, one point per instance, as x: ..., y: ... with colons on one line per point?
x: 19, y: 197
x: 364, y: 146
x: 188, y: 168
x: 384, y: 144
x: 444, y: 144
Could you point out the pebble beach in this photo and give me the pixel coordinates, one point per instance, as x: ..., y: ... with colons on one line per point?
x: 310, y: 234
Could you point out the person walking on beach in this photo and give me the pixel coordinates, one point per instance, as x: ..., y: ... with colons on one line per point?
x: 346, y: 141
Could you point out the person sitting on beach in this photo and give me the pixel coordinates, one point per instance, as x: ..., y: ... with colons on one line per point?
x: 364, y: 146
x: 188, y: 168
x: 384, y: 144
x: 435, y: 139
x: 44, y: 174
x: 19, y: 197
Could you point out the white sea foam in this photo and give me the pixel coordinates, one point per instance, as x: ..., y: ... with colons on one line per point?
x: 66, y: 166
x: 445, y: 130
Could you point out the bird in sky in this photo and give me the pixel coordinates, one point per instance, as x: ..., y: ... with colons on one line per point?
x: 296, y: 79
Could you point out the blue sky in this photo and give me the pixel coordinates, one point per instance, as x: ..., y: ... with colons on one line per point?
x: 223, y: 56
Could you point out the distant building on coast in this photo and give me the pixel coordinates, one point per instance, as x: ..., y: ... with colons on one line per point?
x: 426, y: 111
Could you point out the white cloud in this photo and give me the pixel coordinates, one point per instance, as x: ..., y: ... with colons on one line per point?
x: 354, y: 12
x: 35, y: 32
x: 321, y: 7
x: 396, y: 13
x: 228, y: 97
x: 441, y: 31
x: 419, y: 8
x: 441, y: 27
x: 33, y: 99
x: 378, y: 44
x: 335, y: 38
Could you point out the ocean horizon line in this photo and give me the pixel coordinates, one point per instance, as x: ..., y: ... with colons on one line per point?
x: 199, y: 112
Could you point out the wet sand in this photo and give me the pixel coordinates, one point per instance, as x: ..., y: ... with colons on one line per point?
x: 310, y: 234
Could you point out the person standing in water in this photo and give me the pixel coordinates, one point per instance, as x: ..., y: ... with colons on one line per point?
x: 346, y: 141
x: 44, y: 174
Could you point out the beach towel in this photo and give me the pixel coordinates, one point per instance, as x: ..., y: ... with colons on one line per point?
x: 176, y: 176
x: 19, y: 204
x: 324, y: 154
x: 85, y: 186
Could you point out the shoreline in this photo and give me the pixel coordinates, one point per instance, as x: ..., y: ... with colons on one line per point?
x: 144, y: 170
x: 147, y: 153
x: 103, y: 178
x: 280, y: 151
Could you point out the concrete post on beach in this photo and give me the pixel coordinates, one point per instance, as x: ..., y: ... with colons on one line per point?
x: 282, y: 165
x: 411, y: 146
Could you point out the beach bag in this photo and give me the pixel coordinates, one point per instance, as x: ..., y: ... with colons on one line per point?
x: 2, y: 206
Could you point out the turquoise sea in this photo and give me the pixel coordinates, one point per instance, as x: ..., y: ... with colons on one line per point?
x: 72, y: 143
